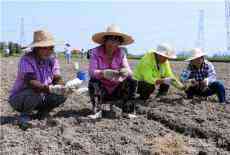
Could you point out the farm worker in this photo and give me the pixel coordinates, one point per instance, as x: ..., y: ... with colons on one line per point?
x: 200, y: 76
x: 68, y: 53
x: 154, y: 70
x: 39, y: 85
x: 110, y: 73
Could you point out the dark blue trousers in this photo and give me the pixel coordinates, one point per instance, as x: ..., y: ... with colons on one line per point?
x: 214, y: 88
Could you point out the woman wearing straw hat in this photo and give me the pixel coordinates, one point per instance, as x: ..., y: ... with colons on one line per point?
x: 154, y: 70
x: 109, y: 70
x: 39, y: 85
x: 200, y: 76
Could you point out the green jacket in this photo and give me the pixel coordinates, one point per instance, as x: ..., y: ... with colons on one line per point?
x: 147, y: 70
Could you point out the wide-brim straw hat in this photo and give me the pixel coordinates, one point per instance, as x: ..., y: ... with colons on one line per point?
x: 42, y: 38
x: 195, y: 53
x: 166, y: 50
x: 112, y: 30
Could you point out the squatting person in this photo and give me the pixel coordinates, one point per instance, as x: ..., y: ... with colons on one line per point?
x: 154, y: 70
x: 200, y: 76
x: 110, y: 73
x: 39, y: 85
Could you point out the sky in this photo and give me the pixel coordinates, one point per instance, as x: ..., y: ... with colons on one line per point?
x: 149, y: 22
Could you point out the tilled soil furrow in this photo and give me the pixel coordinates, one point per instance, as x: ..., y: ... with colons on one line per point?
x: 189, y: 122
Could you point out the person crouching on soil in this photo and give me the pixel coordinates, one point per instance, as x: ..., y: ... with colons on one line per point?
x: 110, y: 73
x: 200, y: 77
x: 154, y: 70
x: 39, y: 85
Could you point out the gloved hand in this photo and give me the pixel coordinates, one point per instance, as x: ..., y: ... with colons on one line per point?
x: 193, y: 82
x: 203, y: 85
x: 124, y: 72
x: 73, y: 84
x: 110, y: 74
x: 81, y: 91
x: 168, y: 81
x: 57, y: 89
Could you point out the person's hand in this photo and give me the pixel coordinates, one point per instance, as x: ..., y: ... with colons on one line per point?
x: 167, y: 81
x: 159, y: 81
x: 184, y: 88
x: 57, y: 89
x: 193, y: 82
x: 73, y: 84
x: 124, y: 72
x: 110, y: 73
x: 204, y: 85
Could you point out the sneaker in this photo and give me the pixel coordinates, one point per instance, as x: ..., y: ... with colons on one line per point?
x: 130, y: 116
x: 224, y: 103
x: 96, y: 115
x: 115, y: 112
x: 141, y: 109
x: 24, y: 121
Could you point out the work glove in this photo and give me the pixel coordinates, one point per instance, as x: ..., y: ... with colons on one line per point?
x: 203, y: 85
x: 73, y: 84
x: 57, y: 89
x: 168, y: 81
x: 110, y: 74
x: 193, y: 82
x: 124, y: 72
x: 81, y: 91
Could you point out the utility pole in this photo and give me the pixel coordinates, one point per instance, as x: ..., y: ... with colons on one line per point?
x: 227, y: 17
x: 22, y: 32
x: 200, y: 37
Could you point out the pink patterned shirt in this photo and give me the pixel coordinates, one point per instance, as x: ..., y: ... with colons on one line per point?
x: 99, y: 62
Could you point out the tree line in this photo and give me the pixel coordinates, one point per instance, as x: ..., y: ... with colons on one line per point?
x: 14, y: 48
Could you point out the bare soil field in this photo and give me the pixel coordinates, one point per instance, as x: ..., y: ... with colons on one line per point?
x: 171, y: 125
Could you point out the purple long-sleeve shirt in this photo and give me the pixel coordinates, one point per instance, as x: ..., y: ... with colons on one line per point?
x: 99, y: 62
x: 30, y: 67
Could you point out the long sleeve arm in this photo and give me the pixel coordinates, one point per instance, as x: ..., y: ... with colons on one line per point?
x: 211, y: 74
x: 93, y: 67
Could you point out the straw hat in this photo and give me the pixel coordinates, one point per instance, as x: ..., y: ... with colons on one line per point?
x: 113, y: 30
x: 42, y: 38
x: 166, y: 51
x: 195, y: 53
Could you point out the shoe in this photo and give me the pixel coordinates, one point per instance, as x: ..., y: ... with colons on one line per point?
x: 129, y: 116
x: 141, y: 109
x: 115, y: 112
x: 96, y: 115
x: 224, y: 103
x: 24, y: 121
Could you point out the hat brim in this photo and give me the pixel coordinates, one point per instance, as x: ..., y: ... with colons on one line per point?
x: 164, y: 55
x: 195, y: 57
x: 99, y: 37
x: 44, y: 44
